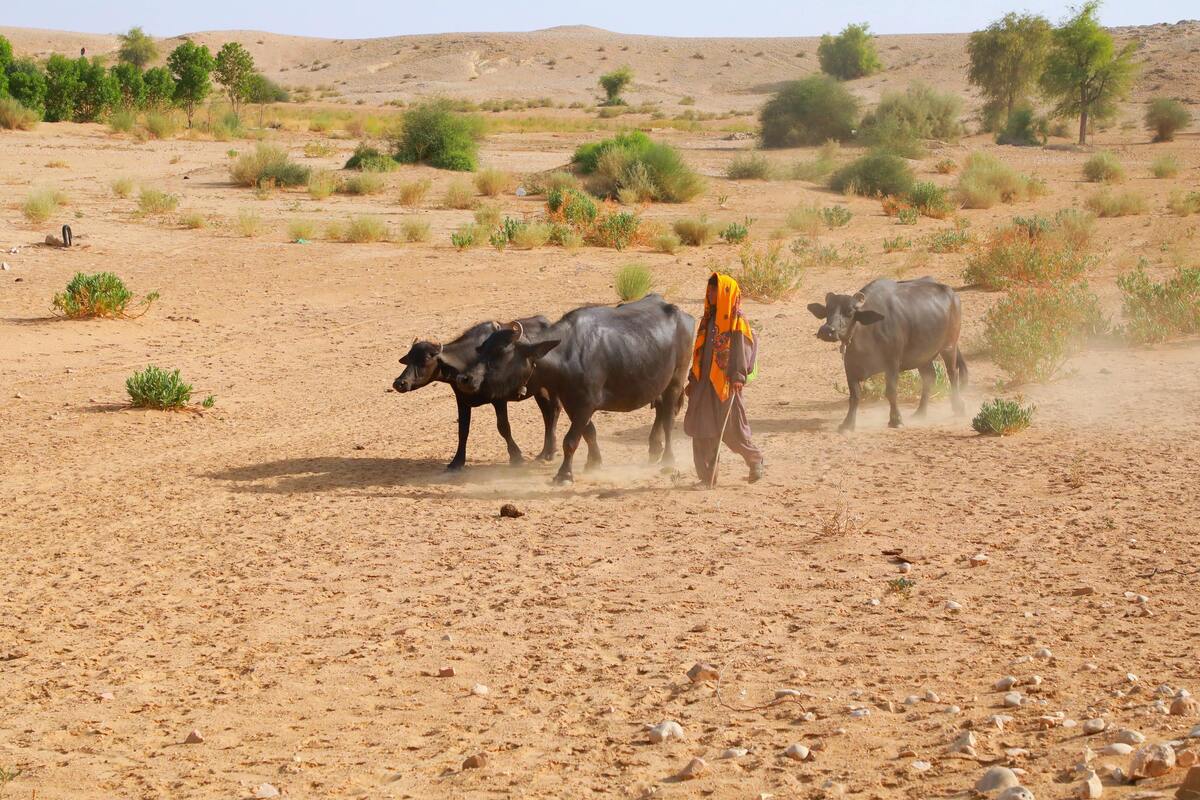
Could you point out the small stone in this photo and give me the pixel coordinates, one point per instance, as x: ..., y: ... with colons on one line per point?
x: 510, y: 511
x: 1185, y: 706
x: 998, y: 721
x: 1093, y: 726
x: 106, y: 695
x: 860, y: 712
x: 1194, y: 733
x: 782, y: 693
x: 667, y: 729
x: 953, y: 710
x: 266, y: 790
x: 798, y: 752
x: 1033, y: 680
x: 808, y: 716
x: 1090, y: 667
x: 5, y: 266
x: 997, y: 779
x: 1116, y: 749
x: 195, y: 737
x: 1129, y: 676
x: 734, y: 752
x: 965, y: 741
x: 1012, y: 700
x: 1043, y: 653
x: 694, y: 769
x: 978, y: 560
x: 921, y: 766
x: 953, y: 606
x: 479, y: 690
x: 446, y: 672
x: 701, y: 672
x: 1090, y: 788
x: 1006, y: 683
x: 1127, y: 736
x: 1082, y: 591
x: 1152, y: 761
x: 911, y: 700
x: 1190, y: 788
x: 932, y: 697
x: 874, y: 601
x: 1016, y: 793
x: 905, y: 567
x: 476, y: 761
x: 1186, y: 759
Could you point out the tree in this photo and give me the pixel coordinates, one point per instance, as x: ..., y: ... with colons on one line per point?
x: 136, y: 48
x: 27, y: 85
x: 614, y: 83
x: 6, y: 58
x: 1084, y: 71
x: 262, y: 91
x: 1007, y: 58
x: 809, y: 111
x: 62, y: 85
x: 160, y: 88
x: 851, y: 54
x: 1165, y: 116
x: 131, y: 83
x: 235, y: 67
x: 191, y: 65
x: 98, y: 90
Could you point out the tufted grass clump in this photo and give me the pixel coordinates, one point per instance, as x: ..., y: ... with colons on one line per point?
x: 248, y: 223
x: 122, y: 187
x: 268, y: 163
x: 16, y: 117
x: 908, y: 386
x: 492, y: 182
x: 101, y: 294
x: 321, y: 184
x: 874, y: 175
x: 414, y: 191
x: 1165, y: 166
x: 363, y: 183
x: 1103, y: 168
x: 633, y: 282
x: 156, y: 201
x: 1165, y: 117
x: 468, y: 235
x: 1184, y: 204
x: 1155, y: 312
x: 666, y: 242
x: 768, y: 274
x: 986, y: 181
x: 365, y: 229
x: 1002, y: 417
x: 632, y: 167
x: 459, y: 195
x: 836, y: 216
x: 157, y: 388
x: 301, y: 229
x: 695, y: 231
x: 1127, y: 203
x: 193, y: 220
x: 930, y: 200
x: 318, y: 150
x: 41, y: 203
x: 159, y: 126
x: 749, y: 166
x: 368, y: 159
x: 414, y: 230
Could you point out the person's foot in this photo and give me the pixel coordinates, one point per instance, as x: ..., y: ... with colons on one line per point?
x: 757, y: 471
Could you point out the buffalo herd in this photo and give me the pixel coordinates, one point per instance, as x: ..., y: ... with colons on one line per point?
x: 637, y: 354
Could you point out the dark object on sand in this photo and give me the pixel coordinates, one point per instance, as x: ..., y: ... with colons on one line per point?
x: 511, y: 511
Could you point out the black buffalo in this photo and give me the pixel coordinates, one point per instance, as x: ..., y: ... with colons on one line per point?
x: 891, y: 326
x: 427, y: 362
x: 597, y: 358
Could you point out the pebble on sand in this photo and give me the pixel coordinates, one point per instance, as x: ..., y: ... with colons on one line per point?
x: 265, y: 790
x: 1093, y: 726
x: 1006, y: 683
x: 1016, y: 793
x: 1187, y: 758
x: 1116, y: 749
x: 1152, y: 761
x: 476, y: 761
x: 1090, y: 788
x: 1127, y: 736
x: 1185, y: 706
x: 694, y: 769
x: 978, y: 560
x: 479, y: 690
x: 1012, y: 699
x: 734, y: 752
x: 446, y: 672
x: 702, y: 671
x: 997, y: 779
x: 195, y: 737
x: 798, y: 752
x: 667, y: 729
x: 1043, y: 653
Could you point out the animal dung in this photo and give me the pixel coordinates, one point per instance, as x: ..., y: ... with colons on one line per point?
x: 510, y: 511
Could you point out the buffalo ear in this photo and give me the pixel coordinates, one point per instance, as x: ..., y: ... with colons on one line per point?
x: 819, y: 311
x: 867, y: 317
x: 536, y: 351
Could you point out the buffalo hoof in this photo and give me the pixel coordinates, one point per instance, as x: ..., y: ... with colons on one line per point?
x: 563, y: 478
x: 455, y: 466
x: 846, y: 428
x: 919, y: 414
x: 895, y: 423
x: 545, y: 455
x: 517, y: 460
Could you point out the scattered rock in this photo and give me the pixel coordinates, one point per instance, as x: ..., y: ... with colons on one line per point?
x: 920, y: 766
x: 1090, y: 788
x: 1016, y: 793
x: 965, y: 742
x: 932, y: 697
x: 266, y: 790
x: 1194, y: 733
x: 978, y: 560
x: 782, y: 693
x: 1190, y: 788
x: 1185, y: 706
x: 998, y: 721
x: 701, y: 672
x: 1082, y: 591
x: 479, y: 690
x: 1006, y: 683
x: 953, y: 606
x: 905, y: 567
x: 1152, y: 761
x: 695, y: 768
x: 734, y: 752
x: 1012, y: 700
x: 1093, y: 726
x: 667, y: 729
x: 1186, y: 758
x: 798, y: 752
x: 1129, y: 737
x: 446, y: 672
x: 1043, y: 653
x: 1116, y: 749
x: 195, y: 737
x: 510, y: 511
x: 997, y: 779
x: 860, y: 712
x: 476, y: 761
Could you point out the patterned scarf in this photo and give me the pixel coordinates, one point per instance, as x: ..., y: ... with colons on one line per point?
x: 727, y: 312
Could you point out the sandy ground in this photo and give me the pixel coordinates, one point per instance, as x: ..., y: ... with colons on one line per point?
x: 287, y: 572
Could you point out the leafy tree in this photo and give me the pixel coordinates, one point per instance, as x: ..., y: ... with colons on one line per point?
x: 809, y: 111
x: 62, y: 86
x: 234, y: 69
x: 132, y: 84
x: 614, y: 83
x: 191, y: 65
x: 160, y: 87
x: 6, y: 58
x: 27, y: 85
x: 262, y: 91
x: 1084, y: 71
x: 1007, y: 58
x: 98, y: 90
x: 851, y: 54
x: 137, y: 48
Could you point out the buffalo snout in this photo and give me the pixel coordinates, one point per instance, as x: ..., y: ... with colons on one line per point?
x: 402, y: 384
x: 826, y: 334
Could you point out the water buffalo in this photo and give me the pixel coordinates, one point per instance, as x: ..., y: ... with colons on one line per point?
x: 426, y: 362
x: 891, y: 326
x: 596, y: 358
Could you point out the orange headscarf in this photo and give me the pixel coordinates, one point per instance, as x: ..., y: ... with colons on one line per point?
x: 727, y: 313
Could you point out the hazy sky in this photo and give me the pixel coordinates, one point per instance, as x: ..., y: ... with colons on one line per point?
x: 349, y: 19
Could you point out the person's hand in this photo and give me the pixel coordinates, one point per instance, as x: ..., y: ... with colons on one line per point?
x: 738, y: 386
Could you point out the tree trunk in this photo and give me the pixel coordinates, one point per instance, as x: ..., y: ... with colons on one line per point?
x: 1083, y: 117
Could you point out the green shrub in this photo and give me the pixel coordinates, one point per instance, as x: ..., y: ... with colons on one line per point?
x: 614, y: 83
x: 571, y: 206
x: 1166, y: 117
x: 874, y: 175
x: 459, y: 195
x: 902, y: 121
x: 1155, y: 312
x: 736, y: 232
x: 305, y: 229
x: 836, y: 216
x: 153, y: 201
x: 193, y: 220
x: 1165, y: 166
x: 468, y: 235
x: 318, y: 150
x: 488, y: 215
x: 530, y: 235
x: 41, y: 203
x: 321, y: 184
x: 414, y: 230
x: 102, y: 294
x: 950, y: 240
x: 1000, y: 417
x: 907, y: 216
x: 1016, y: 255
x: 1103, y: 168
x: 363, y: 183
x: 268, y: 165
x: 369, y: 159
x: 633, y: 282
x: 413, y: 192
x: 1023, y: 128
x: 945, y: 166
x: 667, y: 242
x: 493, y: 182
x: 633, y: 167
x: 432, y: 133
x: 616, y: 229
x: 546, y: 184
x: 157, y: 388
x: 985, y: 181
x: 851, y: 54
x: 749, y: 166
x: 16, y: 117
x: 363, y: 229
x: 248, y: 224
x: 805, y: 219
x: 159, y: 126
x: 566, y: 237
x: 809, y: 111
x: 1031, y: 332
x: 695, y: 231
x: 1181, y: 205
x: 896, y: 244
x: 1107, y: 203
x: 122, y: 187
x: 767, y: 275
x: 121, y: 121
x: 930, y: 200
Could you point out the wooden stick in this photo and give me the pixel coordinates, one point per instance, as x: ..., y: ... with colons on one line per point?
x: 712, y: 479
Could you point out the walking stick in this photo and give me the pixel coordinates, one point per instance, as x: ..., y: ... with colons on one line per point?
x: 712, y: 478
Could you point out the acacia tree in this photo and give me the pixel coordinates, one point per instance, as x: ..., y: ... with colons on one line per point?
x: 1084, y: 70
x: 191, y: 65
x: 234, y: 71
x: 1007, y: 58
x: 262, y: 90
x: 136, y: 48
x: 614, y: 83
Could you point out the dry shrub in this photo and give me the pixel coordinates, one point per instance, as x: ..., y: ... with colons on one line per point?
x: 767, y: 274
x: 414, y: 230
x: 153, y: 201
x: 41, y: 203
x: 1165, y: 166
x: 267, y: 163
x: 985, y: 181
x: 248, y: 223
x: 806, y: 220
x: 489, y: 214
x: 298, y: 229
x: 530, y: 235
x: 1182, y: 205
x: 122, y: 187
x: 695, y: 231
x: 459, y: 195
x: 1107, y: 203
x: 493, y: 182
x: 321, y: 184
x: 1031, y: 332
x: 193, y: 220
x: 363, y: 229
x: 1026, y: 255
x: 363, y: 183
x: 414, y: 191
x: 666, y: 242
x: 1103, y: 168
x: 749, y: 166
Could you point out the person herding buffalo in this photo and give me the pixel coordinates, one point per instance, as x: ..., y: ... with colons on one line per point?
x: 723, y: 358
x: 892, y: 326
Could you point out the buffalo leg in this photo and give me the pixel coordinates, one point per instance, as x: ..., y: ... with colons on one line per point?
x: 950, y: 358
x: 891, y: 380
x: 669, y: 407
x: 579, y: 424
x: 464, y: 430
x: 549, y: 408
x: 593, y: 456
x: 656, y: 431
x: 514, y: 450
x: 928, y: 378
x: 854, y: 386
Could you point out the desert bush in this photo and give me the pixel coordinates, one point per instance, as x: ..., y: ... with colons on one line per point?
x: 1166, y: 117
x: 615, y: 229
x: 268, y: 163
x: 122, y: 187
x: 667, y: 242
x: 493, y: 182
x: 1181, y: 205
x: 950, y: 240
x: 154, y: 201
x: 836, y: 216
x: 1154, y: 311
x: 695, y: 231
x: 641, y: 168
x: 566, y: 237
x: 364, y: 229
x: 874, y: 175
x: 545, y: 184
x: 571, y: 206
x: 414, y: 230
x: 907, y: 216
x: 851, y: 54
x: 1024, y: 255
x: 193, y: 220
x: 363, y: 183
x: 736, y: 232
x: 1107, y: 203
x: 767, y: 274
x: 468, y: 235
x: 809, y: 111
x: 930, y: 200
x: 946, y: 166
x: 1165, y: 166
x: 614, y: 83
x: 488, y: 215
x: 159, y: 125
x: 902, y: 121
x: 248, y: 223
x: 121, y: 121
x: 102, y: 294
x: 318, y: 150
x: 369, y: 159
x: 807, y: 220
x: 530, y: 235
x: 633, y: 282
x: 749, y: 166
x: 432, y: 133
x: 908, y: 385
x: 413, y: 192
x: 896, y: 244
x: 305, y: 229
x: 157, y: 388
x: 16, y: 117
x: 1103, y: 168
x: 1030, y: 333
x: 812, y: 254
x: 459, y: 195
x: 41, y: 203
x: 985, y: 181
x: 1001, y: 417
x: 321, y: 184
x: 1023, y: 128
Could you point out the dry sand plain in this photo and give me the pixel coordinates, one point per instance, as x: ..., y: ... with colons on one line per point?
x: 288, y: 571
